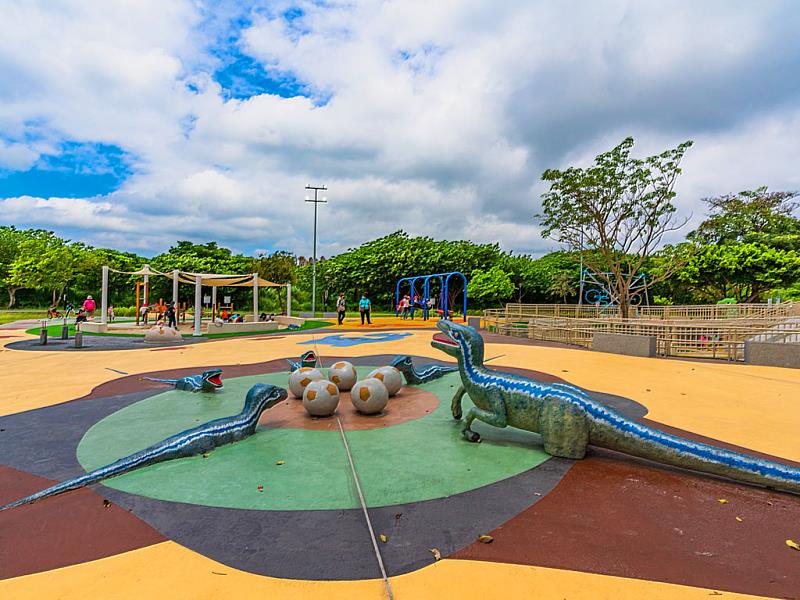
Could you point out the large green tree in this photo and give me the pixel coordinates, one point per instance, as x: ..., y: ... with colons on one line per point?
x: 491, y: 286
x: 740, y: 270
x: 619, y: 209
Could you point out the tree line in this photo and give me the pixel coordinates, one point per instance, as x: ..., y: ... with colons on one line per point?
x: 611, y: 217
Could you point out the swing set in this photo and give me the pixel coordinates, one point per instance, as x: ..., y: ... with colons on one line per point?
x: 445, y: 300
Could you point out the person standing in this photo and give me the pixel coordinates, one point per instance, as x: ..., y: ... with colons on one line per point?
x: 364, y: 307
x: 340, y: 308
x: 89, y: 306
x: 172, y: 320
x: 110, y: 313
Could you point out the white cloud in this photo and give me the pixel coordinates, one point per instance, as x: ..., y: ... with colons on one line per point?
x: 441, y: 116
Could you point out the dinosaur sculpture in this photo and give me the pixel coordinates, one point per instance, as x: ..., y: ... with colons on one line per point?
x: 196, y: 440
x: 207, y: 381
x: 425, y: 374
x: 308, y: 359
x: 568, y: 419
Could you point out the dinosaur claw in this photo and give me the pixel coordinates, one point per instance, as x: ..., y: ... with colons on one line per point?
x: 472, y: 436
x: 457, y: 415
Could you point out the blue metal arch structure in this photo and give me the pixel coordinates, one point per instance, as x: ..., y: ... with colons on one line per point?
x: 444, y: 296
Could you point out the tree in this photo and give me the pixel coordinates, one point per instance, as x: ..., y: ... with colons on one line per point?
x: 490, y: 286
x: 563, y: 285
x: 10, y: 242
x: 278, y: 267
x: 744, y: 271
x: 620, y: 209
x: 751, y: 216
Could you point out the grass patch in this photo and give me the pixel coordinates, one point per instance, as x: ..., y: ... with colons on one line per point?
x: 54, y: 330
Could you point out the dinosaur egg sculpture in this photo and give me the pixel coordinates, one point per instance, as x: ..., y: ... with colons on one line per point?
x: 390, y: 377
x: 369, y: 396
x: 321, y: 398
x: 343, y: 374
x: 301, y: 378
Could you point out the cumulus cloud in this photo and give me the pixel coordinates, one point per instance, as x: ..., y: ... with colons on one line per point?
x: 433, y: 117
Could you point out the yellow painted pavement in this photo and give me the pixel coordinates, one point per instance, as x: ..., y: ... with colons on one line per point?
x: 168, y: 570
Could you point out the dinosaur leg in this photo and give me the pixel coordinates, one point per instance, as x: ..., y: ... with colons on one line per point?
x: 495, y: 416
x: 455, y: 405
x: 564, y: 429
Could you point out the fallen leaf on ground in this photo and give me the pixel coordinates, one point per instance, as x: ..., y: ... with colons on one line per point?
x: 280, y: 462
x: 261, y: 488
x: 793, y: 544
x: 485, y: 539
x: 436, y: 554
x: 722, y: 501
x: 383, y: 538
x: 739, y: 519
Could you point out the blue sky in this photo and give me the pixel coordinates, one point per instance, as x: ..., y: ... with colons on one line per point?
x: 136, y: 125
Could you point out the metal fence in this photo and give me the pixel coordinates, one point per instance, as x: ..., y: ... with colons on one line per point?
x: 523, y: 312
x: 712, y: 338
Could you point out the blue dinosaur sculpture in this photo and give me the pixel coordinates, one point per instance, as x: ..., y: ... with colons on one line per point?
x: 569, y: 420
x: 196, y: 440
x: 207, y: 381
x: 308, y: 359
x: 424, y: 374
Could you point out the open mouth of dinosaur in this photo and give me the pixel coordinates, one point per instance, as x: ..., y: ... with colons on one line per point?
x: 215, y: 380
x: 310, y: 356
x: 445, y: 340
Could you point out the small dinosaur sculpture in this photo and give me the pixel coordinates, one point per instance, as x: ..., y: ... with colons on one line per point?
x: 568, y: 419
x: 196, y: 440
x: 308, y: 359
x: 425, y: 374
x: 207, y: 381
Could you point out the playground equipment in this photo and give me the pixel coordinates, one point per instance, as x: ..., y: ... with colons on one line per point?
x: 595, y: 289
x: 444, y: 302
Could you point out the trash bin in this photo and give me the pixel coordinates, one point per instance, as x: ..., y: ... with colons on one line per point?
x: 79, y: 339
x: 43, y: 336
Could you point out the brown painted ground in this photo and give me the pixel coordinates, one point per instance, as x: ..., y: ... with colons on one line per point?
x: 65, y: 530
x: 616, y: 516
x: 409, y: 404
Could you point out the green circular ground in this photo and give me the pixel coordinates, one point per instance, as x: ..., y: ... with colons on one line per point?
x: 417, y: 460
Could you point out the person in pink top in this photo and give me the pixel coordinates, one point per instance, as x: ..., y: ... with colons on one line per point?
x: 89, y: 306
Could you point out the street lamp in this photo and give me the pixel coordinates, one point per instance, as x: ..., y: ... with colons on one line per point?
x: 316, y: 201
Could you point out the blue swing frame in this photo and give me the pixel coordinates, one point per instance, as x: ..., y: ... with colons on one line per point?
x: 444, y: 297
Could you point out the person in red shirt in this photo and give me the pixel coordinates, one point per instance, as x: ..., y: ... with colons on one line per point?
x: 89, y: 306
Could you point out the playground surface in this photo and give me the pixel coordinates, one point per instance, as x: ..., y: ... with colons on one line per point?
x: 278, y: 515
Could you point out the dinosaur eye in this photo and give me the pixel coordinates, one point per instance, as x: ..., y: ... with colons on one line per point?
x: 455, y: 335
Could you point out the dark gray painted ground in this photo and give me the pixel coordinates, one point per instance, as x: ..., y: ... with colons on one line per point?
x: 289, y: 544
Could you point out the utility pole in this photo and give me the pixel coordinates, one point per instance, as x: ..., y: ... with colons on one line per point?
x: 316, y: 202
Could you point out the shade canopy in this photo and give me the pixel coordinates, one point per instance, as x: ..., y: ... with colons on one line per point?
x: 208, y: 279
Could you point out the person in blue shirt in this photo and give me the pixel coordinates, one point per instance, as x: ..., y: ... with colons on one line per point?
x: 364, y: 307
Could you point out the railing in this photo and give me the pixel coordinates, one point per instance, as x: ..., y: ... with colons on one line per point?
x: 521, y: 313
x: 718, y: 338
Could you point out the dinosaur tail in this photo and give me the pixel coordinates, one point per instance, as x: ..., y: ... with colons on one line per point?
x: 617, y: 433
x: 160, y: 380
x: 118, y: 467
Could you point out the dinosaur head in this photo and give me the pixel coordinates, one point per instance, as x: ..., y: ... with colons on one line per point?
x: 263, y: 396
x: 308, y: 359
x: 402, y: 362
x: 460, y: 341
x: 212, y: 379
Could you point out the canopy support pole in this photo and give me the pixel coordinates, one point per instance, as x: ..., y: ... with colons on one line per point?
x: 198, y: 305
x: 213, y: 303
x: 104, y: 297
x: 288, y: 299
x: 175, y: 288
x: 255, y: 297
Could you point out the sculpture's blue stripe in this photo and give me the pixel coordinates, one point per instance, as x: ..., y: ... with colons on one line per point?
x: 169, y: 448
x: 575, y: 396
